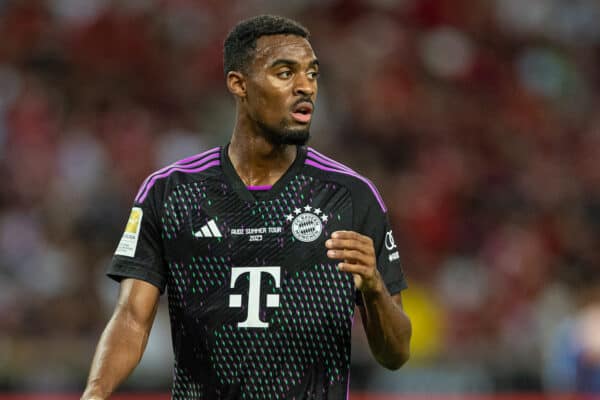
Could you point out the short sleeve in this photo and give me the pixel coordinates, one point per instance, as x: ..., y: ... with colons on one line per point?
x: 373, y: 221
x: 139, y: 253
x: 388, y: 258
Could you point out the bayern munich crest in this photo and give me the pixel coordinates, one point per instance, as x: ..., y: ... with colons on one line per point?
x: 307, y: 223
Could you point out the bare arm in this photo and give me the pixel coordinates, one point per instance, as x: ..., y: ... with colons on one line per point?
x: 388, y: 328
x: 124, y: 339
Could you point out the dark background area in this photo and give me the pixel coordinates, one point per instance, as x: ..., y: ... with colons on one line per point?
x: 477, y: 120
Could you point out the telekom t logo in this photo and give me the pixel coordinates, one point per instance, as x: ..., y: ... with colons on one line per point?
x: 235, y: 300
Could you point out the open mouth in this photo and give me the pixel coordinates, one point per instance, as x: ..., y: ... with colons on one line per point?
x: 302, y: 112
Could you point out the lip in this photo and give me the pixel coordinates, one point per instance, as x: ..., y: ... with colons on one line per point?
x: 302, y: 112
x: 306, y: 105
x: 302, y: 118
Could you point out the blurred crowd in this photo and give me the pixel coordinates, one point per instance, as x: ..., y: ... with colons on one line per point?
x: 478, y: 120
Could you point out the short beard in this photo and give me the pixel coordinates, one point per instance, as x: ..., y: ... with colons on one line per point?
x: 284, y: 136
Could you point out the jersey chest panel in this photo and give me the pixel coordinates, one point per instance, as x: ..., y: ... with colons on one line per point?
x: 251, y: 289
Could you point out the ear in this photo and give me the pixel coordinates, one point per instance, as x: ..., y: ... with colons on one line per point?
x: 236, y: 83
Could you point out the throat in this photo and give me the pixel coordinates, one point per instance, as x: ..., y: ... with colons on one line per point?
x: 260, y: 179
x: 261, y: 169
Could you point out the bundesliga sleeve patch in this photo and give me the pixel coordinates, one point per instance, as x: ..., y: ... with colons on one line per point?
x: 129, y: 240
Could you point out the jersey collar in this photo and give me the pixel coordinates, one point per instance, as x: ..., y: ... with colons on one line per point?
x: 238, y: 186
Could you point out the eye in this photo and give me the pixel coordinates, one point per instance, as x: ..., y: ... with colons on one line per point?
x: 285, y: 74
x: 313, y: 74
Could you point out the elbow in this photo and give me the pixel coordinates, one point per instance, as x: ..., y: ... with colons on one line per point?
x: 394, y: 360
x: 396, y: 363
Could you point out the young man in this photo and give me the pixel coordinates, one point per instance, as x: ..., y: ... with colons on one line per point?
x: 265, y: 246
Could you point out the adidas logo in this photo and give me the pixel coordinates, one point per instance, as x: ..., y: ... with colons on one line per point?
x: 209, y: 230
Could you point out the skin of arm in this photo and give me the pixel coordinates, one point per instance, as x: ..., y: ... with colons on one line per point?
x: 124, y: 339
x: 387, y: 326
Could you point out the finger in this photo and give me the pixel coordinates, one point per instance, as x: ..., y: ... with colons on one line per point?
x: 353, y: 256
x: 350, y: 244
x: 359, y: 269
x: 349, y: 235
x: 344, y: 243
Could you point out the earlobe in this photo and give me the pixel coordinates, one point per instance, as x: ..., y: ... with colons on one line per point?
x: 236, y: 83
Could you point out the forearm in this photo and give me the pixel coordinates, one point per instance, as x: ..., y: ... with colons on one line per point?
x: 118, y: 352
x: 388, y: 329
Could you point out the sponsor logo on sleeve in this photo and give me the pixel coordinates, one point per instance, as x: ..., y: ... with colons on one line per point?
x: 129, y: 240
x: 390, y: 245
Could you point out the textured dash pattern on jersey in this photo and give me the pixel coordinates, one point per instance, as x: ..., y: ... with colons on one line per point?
x: 316, y: 303
x: 183, y: 201
x: 184, y: 386
x: 199, y: 276
x: 257, y: 309
x: 306, y: 344
x: 191, y: 286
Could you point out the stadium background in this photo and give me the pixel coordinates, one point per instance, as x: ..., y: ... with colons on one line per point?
x: 478, y: 121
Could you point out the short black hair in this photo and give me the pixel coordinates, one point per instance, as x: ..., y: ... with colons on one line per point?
x: 240, y: 43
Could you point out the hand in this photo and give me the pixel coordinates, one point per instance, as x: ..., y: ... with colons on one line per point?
x: 358, y: 255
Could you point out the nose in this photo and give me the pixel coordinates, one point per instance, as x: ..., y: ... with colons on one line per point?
x: 304, y: 86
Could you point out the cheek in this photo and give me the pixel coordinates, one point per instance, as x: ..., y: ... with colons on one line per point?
x: 267, y: 104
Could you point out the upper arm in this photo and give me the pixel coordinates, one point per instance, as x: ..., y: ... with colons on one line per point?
x: 140, y: 252
x: 138, y: 302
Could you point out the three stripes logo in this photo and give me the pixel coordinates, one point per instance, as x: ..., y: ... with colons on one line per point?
x: 208, y: 230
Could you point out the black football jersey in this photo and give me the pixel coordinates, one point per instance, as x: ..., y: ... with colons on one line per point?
x: 257, y: 309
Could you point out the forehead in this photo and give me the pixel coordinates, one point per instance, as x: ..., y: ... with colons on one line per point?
x: 289, y: 47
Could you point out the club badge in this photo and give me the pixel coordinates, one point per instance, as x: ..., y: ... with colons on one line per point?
x: 307, y: 223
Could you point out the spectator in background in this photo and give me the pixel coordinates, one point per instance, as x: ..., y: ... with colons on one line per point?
x: 479, y: 119
x: 573, y: 363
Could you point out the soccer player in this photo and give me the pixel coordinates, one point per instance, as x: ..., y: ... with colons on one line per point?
x: 264, y: 246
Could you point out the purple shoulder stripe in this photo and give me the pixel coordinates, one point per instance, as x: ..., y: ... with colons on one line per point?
x: 183, y: 162
x: 196, y: 157
x: 326, y: 160
x: 188, y: 170
x: 331, y: 167
x: 190, y: 164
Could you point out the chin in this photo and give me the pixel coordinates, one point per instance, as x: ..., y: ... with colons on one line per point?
x: 296, y: 137
x: 287, y: 135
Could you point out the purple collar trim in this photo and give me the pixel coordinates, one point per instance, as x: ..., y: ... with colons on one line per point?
x: 264, y: 187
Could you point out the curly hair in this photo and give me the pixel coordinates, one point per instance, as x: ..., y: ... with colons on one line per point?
x: 240, y: 44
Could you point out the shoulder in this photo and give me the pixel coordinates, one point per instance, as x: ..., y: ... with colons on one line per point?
x: 195, y: 164
x: 333, y: 170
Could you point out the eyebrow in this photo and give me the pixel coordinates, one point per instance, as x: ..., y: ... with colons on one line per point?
x: 283, y: 61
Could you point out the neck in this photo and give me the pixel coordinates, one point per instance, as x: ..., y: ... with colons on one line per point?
x: 258, y: 162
